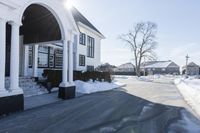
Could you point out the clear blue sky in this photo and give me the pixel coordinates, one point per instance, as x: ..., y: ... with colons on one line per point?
x: 178, y: 26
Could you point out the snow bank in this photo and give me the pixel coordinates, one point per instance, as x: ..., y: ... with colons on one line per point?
x: 190, y: 89
x: 92, y: 87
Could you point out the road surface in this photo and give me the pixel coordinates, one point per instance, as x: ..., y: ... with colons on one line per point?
x: 107, y: 112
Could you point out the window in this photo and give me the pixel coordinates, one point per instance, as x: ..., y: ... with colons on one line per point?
x: 81, y: 60
x: 43, y: 56
x: 90, y: 47
x: 51, y: 57
x: 82, y: 39
x: 30, y: 63
x: 90, y: 68
x: 58, y: 58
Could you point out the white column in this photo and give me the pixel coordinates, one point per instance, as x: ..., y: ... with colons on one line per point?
x: 2, y: 55
x: 71, y: 62
x: 35, y: 61
x: 14, y: 60
x: 65, y: 66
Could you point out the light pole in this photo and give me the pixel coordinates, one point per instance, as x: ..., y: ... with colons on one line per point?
x: 186, y: 70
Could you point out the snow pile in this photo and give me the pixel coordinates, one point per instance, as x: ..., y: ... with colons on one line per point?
x: 92, y: 87
x: 190, y: 89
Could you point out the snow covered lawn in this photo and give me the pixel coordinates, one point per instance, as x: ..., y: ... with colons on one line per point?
x: 190, y: 89
x: 92, y: 87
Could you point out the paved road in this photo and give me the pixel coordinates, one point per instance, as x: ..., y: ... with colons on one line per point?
x: 159, y: 90
x: 111, y: 111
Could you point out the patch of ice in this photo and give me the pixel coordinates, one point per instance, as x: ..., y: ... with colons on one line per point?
x: 107, y: 130
x: 156, y: 76
x: 146, y: 109
x: 146, y: 79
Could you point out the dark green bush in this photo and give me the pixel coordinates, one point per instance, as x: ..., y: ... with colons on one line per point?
x: 55, y: 76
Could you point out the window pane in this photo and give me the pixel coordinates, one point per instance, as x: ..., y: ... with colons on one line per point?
x: 81, y: 60
x: 42, y: 60
x: 51, y: 57
x: 58, y: 58
x: 30, y: 56
x: 42, y: 56
x: 90, y: 68
x: 90, y: 47
x: 82, y: 38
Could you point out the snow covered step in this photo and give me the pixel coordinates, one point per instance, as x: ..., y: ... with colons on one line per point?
x: 29, y: 86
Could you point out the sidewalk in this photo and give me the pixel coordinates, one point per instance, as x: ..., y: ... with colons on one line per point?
x: 41, y: 100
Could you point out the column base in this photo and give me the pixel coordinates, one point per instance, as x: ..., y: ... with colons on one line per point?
x: 4, y: 93
x: 17, y: 91
x: 67, y: 92
x: 11, y: 104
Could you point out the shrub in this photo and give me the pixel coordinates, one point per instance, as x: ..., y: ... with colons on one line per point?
x: 55, y: 76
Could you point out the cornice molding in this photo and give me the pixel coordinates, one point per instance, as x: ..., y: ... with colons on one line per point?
x: 9, y: 3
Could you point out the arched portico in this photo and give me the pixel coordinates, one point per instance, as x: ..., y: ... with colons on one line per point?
x: 67, y: 29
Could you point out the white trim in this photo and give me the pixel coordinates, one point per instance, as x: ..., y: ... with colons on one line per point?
x: 91, y: 30
x: 43, y: 43
x: 13, y: 93
x: 9, y: 4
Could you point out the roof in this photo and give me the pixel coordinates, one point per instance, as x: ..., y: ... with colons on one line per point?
x: 78, y: 17
x: 127, y: 65
x: 192, y: 64
x: 160, y: 64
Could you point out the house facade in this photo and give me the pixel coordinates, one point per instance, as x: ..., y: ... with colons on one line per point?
x: 160, y: 67
x: 192, y: 69
x: 86, y: 50
x: 43, y: 34
x: 125, y: 69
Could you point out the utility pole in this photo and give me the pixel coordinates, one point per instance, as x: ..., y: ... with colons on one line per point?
x: 144, y: 67
x: 186, y: 70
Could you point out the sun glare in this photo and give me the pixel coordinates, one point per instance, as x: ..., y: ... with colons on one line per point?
x: 69, y: 4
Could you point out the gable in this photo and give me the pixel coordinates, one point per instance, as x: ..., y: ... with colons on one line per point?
x: 172, y: 64
x: 80, y: 19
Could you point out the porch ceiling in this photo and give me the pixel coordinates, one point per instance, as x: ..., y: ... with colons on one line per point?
x: 39, y: 25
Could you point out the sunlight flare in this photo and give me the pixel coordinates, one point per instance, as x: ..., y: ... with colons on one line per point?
x: 69, y: 4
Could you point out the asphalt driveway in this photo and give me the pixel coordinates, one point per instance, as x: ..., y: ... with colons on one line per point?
x: 112, y: 111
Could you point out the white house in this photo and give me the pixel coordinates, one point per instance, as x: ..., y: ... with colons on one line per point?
x: 86, y: 50
x: 127, y: 68
x: 192, y: 69
x: 40, y: 34
x: 89, y: 46
x: 160, y: 67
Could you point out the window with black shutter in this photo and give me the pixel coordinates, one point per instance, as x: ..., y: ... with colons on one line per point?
x: 81, y: 60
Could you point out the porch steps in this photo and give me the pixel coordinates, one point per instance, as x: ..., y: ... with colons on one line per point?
x: 29, y: 86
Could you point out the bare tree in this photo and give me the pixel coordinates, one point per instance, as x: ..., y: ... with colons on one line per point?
x: 142, y: 41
